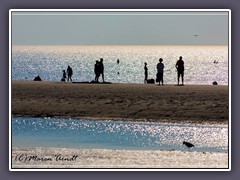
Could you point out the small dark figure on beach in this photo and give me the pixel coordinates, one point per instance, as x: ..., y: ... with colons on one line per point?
x: 180, y: 69
x: 69, y: 73
x: 37, y: 78
x: 101, y: 69
x: 188, y: 144
x: 97, y: 70
x: 145, y: 73
x: 160, y: 67
x: 64, y: 76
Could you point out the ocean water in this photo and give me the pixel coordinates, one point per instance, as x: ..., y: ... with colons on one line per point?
x: 49, y: 61
x: 86, y: 134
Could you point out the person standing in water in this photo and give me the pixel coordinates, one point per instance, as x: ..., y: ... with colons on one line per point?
x: 180, y: 69
x: 118, y: 64
x: 160, y: 67
x: 145, y: 73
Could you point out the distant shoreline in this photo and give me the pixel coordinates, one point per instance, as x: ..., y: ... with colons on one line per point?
x: 126, y: 102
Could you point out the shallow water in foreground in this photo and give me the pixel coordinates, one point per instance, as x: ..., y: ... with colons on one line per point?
x: 89, y: 134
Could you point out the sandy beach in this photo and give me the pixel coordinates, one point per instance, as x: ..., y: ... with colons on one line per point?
x: 194, y: 104
x: 134, y: 102
x: 105, y: 158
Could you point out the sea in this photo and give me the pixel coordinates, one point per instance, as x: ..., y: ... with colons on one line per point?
x: 92, y: 134
x: 203, y: 64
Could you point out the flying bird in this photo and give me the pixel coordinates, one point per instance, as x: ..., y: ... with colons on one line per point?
x: 196, y: 35
x: 188, y: 144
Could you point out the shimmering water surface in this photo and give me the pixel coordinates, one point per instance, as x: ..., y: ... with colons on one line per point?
x: 50, y: 132
x: 49, y: 61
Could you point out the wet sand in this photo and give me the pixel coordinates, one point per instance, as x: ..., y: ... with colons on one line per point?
x: 105, y: 158
x: 131, y: 102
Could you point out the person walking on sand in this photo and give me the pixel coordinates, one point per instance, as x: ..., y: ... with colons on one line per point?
x: 101, y: 69
x: 180, y: 69
x: 69, y: 73
x: 160, y: 67
x: 145, y: 73
x: 96, y: 70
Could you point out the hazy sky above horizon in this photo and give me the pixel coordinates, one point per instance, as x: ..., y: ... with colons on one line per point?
x: 119, y: 28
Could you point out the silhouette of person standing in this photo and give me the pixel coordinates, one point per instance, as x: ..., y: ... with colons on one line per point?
x: 69, y: 73
x: 180, y: 69
x: 96, y: 71
x: 145, y: 73
x: 160, y: 67
x: 101, y: 69
x: 64, y: 76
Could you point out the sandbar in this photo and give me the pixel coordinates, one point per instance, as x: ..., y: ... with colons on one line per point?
x: 119, y: 101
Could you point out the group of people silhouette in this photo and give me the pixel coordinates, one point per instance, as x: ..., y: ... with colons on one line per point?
x: 67, y: 75
x: 99, y: 70
x: 160, y: 67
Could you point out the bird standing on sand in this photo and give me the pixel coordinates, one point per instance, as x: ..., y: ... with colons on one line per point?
x: 188, y: 144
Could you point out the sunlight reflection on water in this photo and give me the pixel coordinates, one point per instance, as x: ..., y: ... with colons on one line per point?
x: 49, y: 61
x: 50, y: 132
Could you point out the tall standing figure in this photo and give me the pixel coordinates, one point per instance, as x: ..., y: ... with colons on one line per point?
x: 69, y: 73
x: 180, y: 69
x: 145, y: 73
x: 160, y: 67
x: 101, y: 69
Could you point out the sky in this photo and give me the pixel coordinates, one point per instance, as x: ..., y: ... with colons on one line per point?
x: 119, y: 28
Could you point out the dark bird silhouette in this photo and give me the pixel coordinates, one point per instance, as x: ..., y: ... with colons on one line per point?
x: 196, y: 35
x: 188, y: 144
